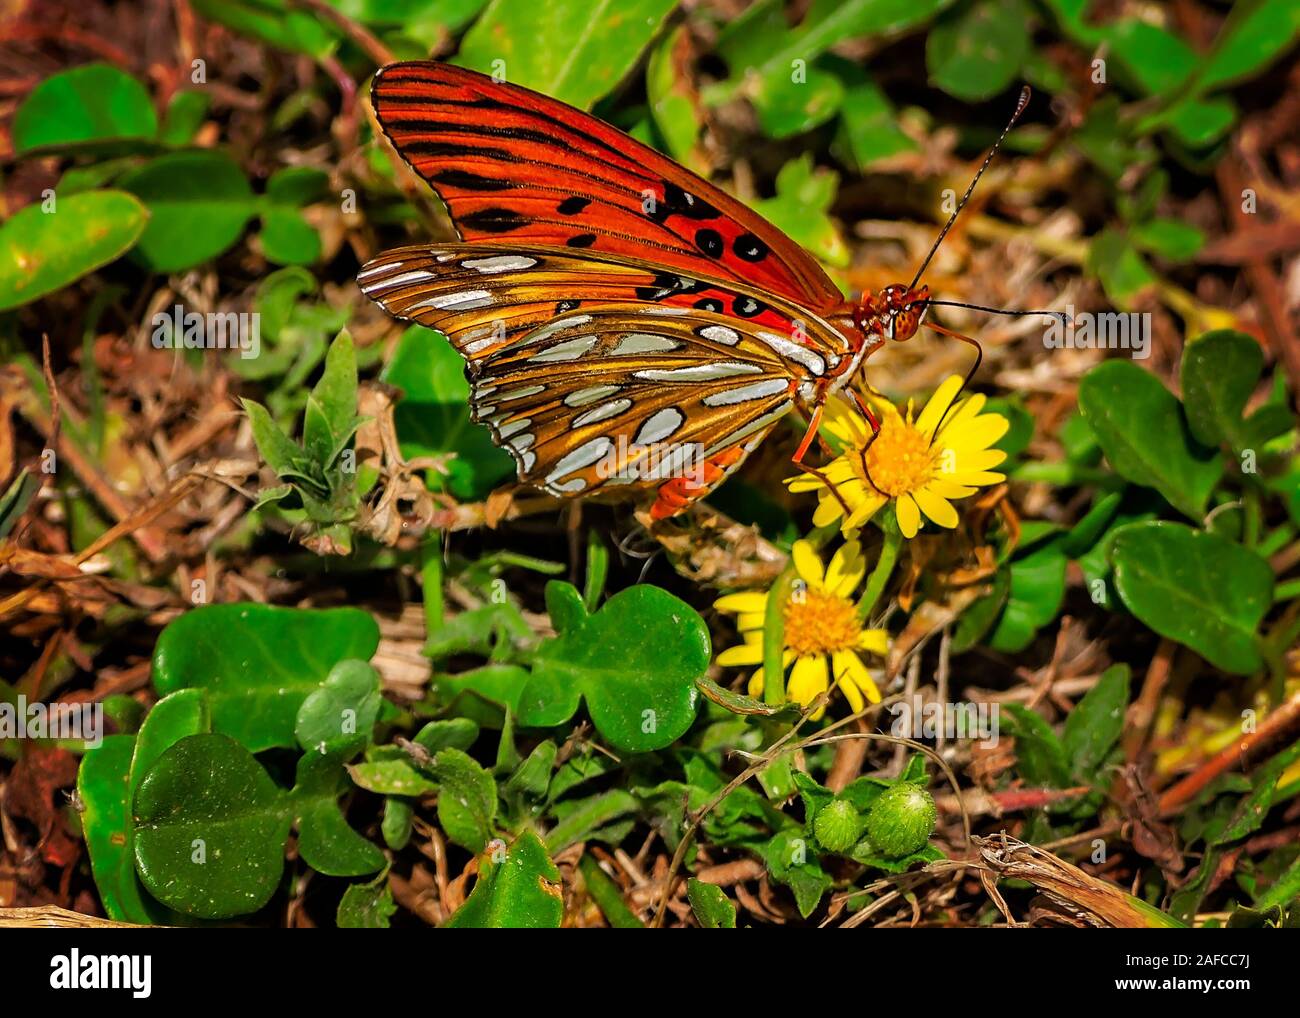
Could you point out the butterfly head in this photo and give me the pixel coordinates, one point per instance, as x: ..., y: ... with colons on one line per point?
x: 895, y: 313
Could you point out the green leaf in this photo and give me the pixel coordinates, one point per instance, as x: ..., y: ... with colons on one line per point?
x: 391, y: 777
x: 976, y: 52
x: 574, y: 50
x: 94, y: 103
x: 259, y: 662
x: 273, y: 445
x: 1119, y: 266
x: 565, y: 605
x: 325, y: 841
x: 1253, y: 36
x: 327, y: 430
x: 519, y: 891
x: 450, y: 733
x: 185, y: 115
x: 287, y: 238
x: 467, y: 799
x: 711, y: 906
x: 1249, y: 815
x: 42, y: 252
x: 635, y: 661
x: 1171, y: 239
x: 102, y: 785
x: 1041, y: 758
x: 792, y: 102
x: 338, y: 719
x: 432, y: 416
x: 273, y: 21
x: 1141, y: 428
x: 869, y: 129
x: 580, y: 820
x: 1096, y: 722
x: 1220, y: 371
x: 210, y: 829
x: 199, y: 203
x: 800, y: 209
x: 790, y: 861
x: 1197, y: 588
x: 176, y: 716
x: 366, y: 906
x: 1035, y: 591
x: 671, y: 102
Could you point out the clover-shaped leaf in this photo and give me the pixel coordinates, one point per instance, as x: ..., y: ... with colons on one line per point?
x: 635, y: 662
x: 325, y: 841
x: 338, y: 718
x: 258, y: 662
x: 210, y: 829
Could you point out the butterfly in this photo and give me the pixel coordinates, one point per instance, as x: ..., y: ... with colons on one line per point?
x: 625, y: 323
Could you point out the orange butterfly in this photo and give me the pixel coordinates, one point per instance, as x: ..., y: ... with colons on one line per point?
x: 625, y: 322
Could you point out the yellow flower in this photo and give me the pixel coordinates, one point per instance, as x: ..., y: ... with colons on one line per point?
x: 909, y: 463
x: 824, y: 637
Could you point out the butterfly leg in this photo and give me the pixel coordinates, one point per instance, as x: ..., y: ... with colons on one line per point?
x: 874, y: 421
x: 814, y: 431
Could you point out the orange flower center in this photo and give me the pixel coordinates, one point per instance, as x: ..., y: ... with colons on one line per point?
x: 820, y: 623
x: 900, y: 460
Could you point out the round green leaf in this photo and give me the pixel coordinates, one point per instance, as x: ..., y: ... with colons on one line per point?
x: 1219, y: 372
x: 338, y: 718
x: 1196, y: 588
x: 1140, y: 426
x: 94, y: 103
x: 210, y: 829
x: 519, y: 891
x: 106, y: 824
x: 635, y: 661
x: 199, y: 203
x: 43, y: 251
x: 978, y: 52
x: 258, y: 662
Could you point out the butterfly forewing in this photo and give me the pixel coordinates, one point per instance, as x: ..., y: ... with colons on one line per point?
x: 514, y: 165
x: 581, y: 361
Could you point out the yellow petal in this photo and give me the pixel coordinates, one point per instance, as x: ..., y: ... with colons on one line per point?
x: 909, y: 516
x: 756, y: 684
x: 847, y: 686
x: 980, y: 433
x: 748, y: 653
x: 861, y: 677
x: 750, y: 621
x: 938, y: 509
x: 938, y: 405
x: 965, y: 461
x: 807, y: 564
x: 804, y: 482
x: 864, y: 511
x: 874, y: 641
x: 945, y: 487
x: 808, y: 679
x: 745, y: 601
x: 846, y: 569
x: 828, y: 510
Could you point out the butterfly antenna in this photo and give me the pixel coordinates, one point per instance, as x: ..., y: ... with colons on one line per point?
x: 1060, y: 316
x: 1020, y: 108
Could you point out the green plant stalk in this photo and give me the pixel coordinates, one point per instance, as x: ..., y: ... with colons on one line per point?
x: 1286, y: 591
x: 605, y: 893
x: 431, y: 578
x: 881, y: 573
x: 774, y: 637
x: 597, y: 570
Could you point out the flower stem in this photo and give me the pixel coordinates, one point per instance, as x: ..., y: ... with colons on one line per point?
x: 774, y: 637
x: 881, y: 574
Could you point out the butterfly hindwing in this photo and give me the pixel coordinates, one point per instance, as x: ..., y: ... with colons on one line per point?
x: 581, y: 362
x: 514, y: 165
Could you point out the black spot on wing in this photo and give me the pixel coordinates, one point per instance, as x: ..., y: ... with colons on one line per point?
x: 747, y: 307
x: 572, y: 206
x: 467, y: 181
x: 581, y: 240
x: 749, y: 248
x: 493, y: 220
x: 709, y: 241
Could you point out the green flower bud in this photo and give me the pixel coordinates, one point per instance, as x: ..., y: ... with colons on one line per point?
x: 838, y: 826
x: 901, y: 820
